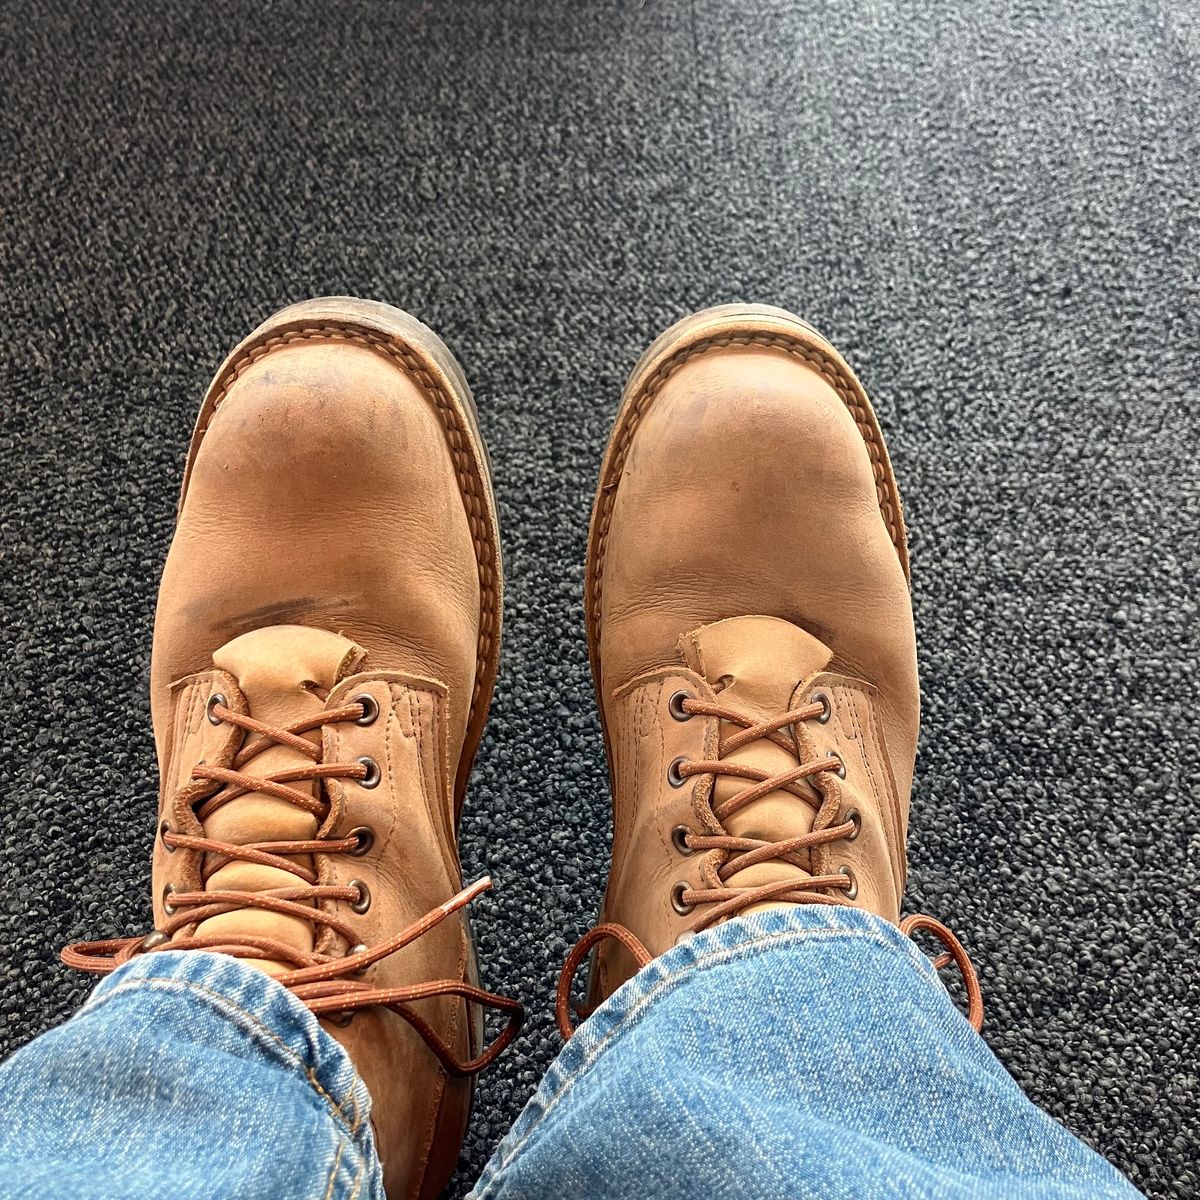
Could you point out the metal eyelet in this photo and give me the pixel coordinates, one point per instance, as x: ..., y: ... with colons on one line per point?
x: 168, y: 907
x: 164, y: 827
x: 852, y: 890
x: 674, y: 778
x: 826, y: 708
x: 372, y: 777
x: 370, y: 707
x: 360, y: 948
x: 153, y: 940
x: 852, y: 814
x: 840, y: 769
x: 679, y: 837
x: 677, y: 898
x: 365, y: 836
x: 675, y: 706
x: 364, y: 896
x: 217, y: 698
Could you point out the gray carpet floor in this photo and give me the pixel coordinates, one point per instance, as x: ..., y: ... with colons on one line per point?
x: 992, y: 208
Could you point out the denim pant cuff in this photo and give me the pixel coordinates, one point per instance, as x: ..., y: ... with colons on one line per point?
x: 762, y: 933
x: 275, y: 1025
x: 732, y: 942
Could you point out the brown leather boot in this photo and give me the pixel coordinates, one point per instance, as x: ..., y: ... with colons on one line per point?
x: 751, y: 640
x: 325, y: 648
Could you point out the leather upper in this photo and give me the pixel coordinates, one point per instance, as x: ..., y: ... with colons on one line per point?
x: 746, y: 552
x: 748, y: 488
x: 324, y: 493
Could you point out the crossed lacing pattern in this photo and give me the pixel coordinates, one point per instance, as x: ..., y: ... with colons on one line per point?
x: 328, y: 984
x: 810, y: 852
x: 742, y: 852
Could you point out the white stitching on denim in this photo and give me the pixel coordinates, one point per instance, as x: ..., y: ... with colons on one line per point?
x: 337, y: 1162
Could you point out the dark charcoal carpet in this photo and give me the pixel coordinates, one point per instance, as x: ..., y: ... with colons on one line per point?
x: 991, y: 208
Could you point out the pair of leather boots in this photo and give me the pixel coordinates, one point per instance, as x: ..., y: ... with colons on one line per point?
x: 326, y: 643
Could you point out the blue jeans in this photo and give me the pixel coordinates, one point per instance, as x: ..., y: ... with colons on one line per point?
x: 806, y: 1053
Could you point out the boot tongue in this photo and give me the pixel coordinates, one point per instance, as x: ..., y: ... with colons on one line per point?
x: 284, y: 673
x: 756, y: 664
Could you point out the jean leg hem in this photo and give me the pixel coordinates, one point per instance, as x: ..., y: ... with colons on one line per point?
x: 734, y: 940
x: 275, y: 1022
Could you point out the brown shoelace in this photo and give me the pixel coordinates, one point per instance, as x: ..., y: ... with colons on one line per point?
x: 809, y: 852
x: 327, y: 984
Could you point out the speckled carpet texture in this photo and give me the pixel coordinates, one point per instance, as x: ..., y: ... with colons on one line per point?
x: 993, y: 209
